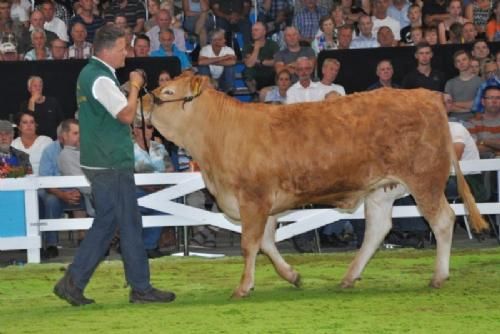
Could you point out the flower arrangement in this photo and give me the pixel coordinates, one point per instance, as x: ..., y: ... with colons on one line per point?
x: 9, y: 168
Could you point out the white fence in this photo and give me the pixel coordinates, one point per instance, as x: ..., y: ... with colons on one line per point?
x: 183, y: 215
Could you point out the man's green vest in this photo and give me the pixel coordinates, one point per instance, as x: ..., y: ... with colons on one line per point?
x: 105, y: 142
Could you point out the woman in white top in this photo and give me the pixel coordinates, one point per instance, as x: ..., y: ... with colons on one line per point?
x: 28, y: 141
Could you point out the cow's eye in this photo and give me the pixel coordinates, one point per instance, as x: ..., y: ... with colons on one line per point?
x: 168, y: 92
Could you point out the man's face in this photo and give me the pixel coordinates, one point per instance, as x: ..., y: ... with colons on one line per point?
x: 218, y: 41
x: 424, y: 56
x: 491, y: 101
x: 6, y: 138
x: 9, y: 56
x: 480, y: 50
x: 38, y: 40
x: 385, y: 37
x: 381, y: 6
x: 58, y: 49
x: 462, y: 62
x: 310, y: 4
x: 78, y: 33
x: 167, y: 40
x: 385, y: 71
x: 4, y: 11
x: 365, y: 25
x: 345, y: 38
x: 37, y: 20
x: 304, y: 69
x: 292, y: 37
x: 72, y: 136
x: 258, y: 31
x: 116, y: 55
x: 48, y: 11
x: 469, y: 32
x: 164, y: 20
x: 36, y: 86
x: 121, y: 21
x: 141, y: 48
x: 475, y: 67
x: 490, y: 69
x: 330, y: 72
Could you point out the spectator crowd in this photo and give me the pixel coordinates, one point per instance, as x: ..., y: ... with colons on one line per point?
x: 277, y: 41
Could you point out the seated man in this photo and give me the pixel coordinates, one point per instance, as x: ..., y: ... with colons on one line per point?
x: 168, y: 48
x: 217, y: 61
x: 53, y: 200
x: 9, y: 156
x: 485, y: 128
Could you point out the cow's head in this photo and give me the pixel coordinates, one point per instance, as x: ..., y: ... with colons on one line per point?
x: 183, y: 89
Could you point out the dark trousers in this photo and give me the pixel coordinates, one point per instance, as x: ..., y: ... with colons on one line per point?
x: 116, y: 206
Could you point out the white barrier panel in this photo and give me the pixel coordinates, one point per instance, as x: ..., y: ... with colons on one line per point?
x: 183, y: 215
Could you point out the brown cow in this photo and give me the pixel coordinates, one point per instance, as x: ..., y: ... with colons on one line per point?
x: 259, y: 160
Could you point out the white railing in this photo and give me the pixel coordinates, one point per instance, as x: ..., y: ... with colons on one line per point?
x: 184, y: 215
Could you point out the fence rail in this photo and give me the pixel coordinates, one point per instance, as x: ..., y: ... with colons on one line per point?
x: 183, y: 215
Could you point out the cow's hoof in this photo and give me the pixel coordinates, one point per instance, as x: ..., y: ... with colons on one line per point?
x: 437, y: 283
x: 298, y: 281
x: 348, y: 283
x: 239, y: 294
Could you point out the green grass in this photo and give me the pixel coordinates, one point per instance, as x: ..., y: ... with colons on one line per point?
x: 392, y: 297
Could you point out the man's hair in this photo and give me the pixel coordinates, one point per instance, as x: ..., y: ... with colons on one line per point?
x: 345, y: 27
x: 48, y: 2
x: 106, y: 36
x: 9, y: 2
x: 169, y: 30
x: 488, y: 88
x: 143, y: 37
x: 383, y: 61
x: 413, y: 6
x: 330, y: 61
x: 33, y: 78
x: 38, y: 31
x: 217, y: 32
x: 459, y: 53
x: 66, y: 124
x: 430, y: 29
x: 422, y: 45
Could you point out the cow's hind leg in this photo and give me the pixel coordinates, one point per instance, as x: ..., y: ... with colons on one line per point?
x: 253, y: 221
x: 378, y: 217
x: 441, y: 219
x: 268, y: 246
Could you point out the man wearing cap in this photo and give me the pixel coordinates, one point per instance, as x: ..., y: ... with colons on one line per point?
x: 9, y: 155
x: 8, y: 52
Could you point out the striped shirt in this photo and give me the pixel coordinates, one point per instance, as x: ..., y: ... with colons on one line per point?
x: 482, y: 128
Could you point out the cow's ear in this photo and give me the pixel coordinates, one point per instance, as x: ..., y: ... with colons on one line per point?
x: 197, y: 83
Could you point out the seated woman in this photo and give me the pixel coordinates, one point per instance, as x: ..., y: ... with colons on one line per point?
x: 277, y: 94
x: 326, y: 40
x: 29, y: 141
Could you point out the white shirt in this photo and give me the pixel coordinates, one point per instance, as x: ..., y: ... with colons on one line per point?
x: 154, y: 38
x: 316, y: 91
x: 388, y: 21
x: 35, y: 151
x: 108, y: 94
x: 334, y: 88
x: 207, y: 51
x: 58, y: 27
x: 459, y: 134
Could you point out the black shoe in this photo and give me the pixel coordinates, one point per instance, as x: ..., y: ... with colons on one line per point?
x: 151, y: 296
x: 51, y: 252
x: 68, y: 291
x: 155, y: 253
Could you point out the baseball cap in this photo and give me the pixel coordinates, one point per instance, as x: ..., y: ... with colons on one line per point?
x: 6, y: 126
x: 7, y: 47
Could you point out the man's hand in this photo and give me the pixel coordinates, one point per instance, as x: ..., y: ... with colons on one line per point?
x: 71, y: 197
x: 136, y: 79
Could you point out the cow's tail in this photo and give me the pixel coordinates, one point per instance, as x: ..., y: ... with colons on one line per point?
x: 478, y: 223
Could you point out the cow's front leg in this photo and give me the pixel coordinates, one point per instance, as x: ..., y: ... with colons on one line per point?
x: 253, y: 221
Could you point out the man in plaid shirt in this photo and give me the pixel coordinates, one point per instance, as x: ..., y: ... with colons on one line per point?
x: 307, y: 19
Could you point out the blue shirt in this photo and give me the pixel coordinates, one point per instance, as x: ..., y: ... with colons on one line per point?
x: 48, y: 161
x: 477, y: 106
x: 363, y: 42
x: 185, y: 63
x: 307, y: 21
